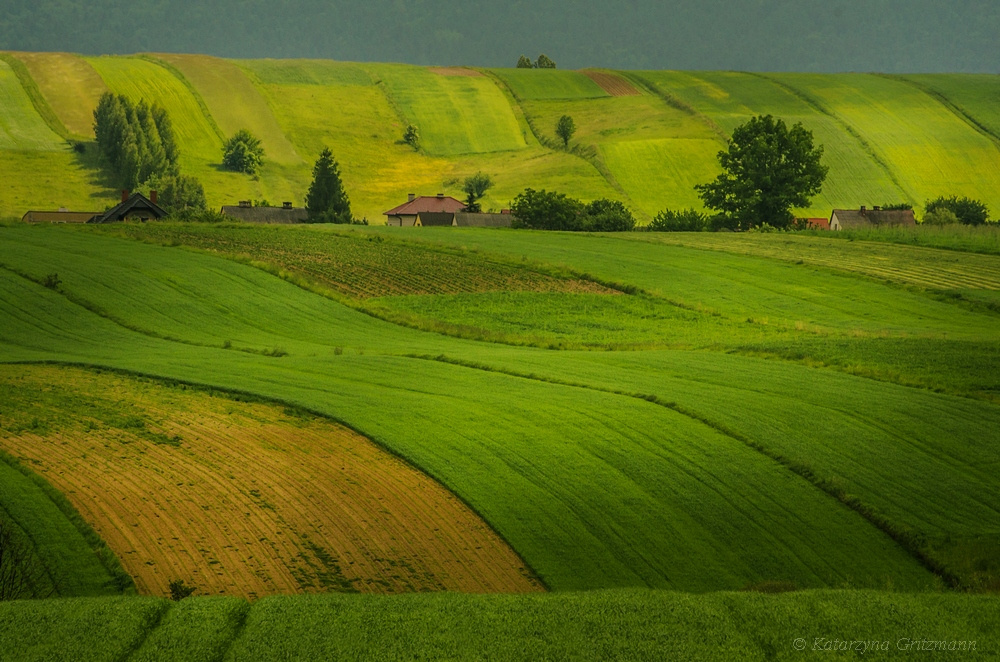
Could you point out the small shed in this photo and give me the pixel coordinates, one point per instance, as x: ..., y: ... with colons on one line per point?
x: 60, y: 216
x: 135, y: 207
x: 851, y: 219
x: 406, y: 214
x: 247, y: 213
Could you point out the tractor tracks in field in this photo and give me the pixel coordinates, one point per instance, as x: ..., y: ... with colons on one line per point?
x: 911, y: 542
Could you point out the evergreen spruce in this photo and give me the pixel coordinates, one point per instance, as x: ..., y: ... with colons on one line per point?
x: 327, y: 201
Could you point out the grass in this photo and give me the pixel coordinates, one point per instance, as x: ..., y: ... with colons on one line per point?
x: 48, y: 180
x: 973, y: 96
x: 549, y: 84
x: 21, y: 128
x: 624, y: 504
x: 455, y: 114
x: 69, y: 86
x: 586, y: 626
x: 926, y: 144
x: 973, y: 239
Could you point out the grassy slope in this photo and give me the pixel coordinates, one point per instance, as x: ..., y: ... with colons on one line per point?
x: 199, y: 142
x: 976, y: 96
x: 323, y: 103
x: 551, y: 501
x: 70, y: 86
x: 729, y: 99
x: 70, y: 566
x: 931, y: 150
x: 21, y: 128
x: 584, y: 626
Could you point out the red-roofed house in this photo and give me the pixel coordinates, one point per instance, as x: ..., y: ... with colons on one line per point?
x: 406, y: 214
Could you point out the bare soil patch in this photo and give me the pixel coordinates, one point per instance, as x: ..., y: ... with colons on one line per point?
x: 244, y: 499
x: 614, y: 85
x: 455, y: 71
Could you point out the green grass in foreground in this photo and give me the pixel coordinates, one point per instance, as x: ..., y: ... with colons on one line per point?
x: 974, y: 239
x: 636, y: 624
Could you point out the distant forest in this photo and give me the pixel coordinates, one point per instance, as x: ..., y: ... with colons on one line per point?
x: 759, y: 35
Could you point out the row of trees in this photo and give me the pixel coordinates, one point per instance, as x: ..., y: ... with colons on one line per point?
x: 543, y: 62
x: 548, y: 210
x: 136, y: 139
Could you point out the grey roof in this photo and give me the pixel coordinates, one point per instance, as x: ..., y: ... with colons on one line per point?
x: 429, y: 218
x: 267, y: 214
x: 483, y: 220
x: 137, y: 203
x: 856, y: 218
x: 61, y: 216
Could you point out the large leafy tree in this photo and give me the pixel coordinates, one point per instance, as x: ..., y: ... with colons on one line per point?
x: 475, y: 188
x: 327, y: 200
x: 767, y: 169
x: 136, y: 140
x: 565, y: 128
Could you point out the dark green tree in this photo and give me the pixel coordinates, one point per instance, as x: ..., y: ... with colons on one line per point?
x: 966, y: 210
x: 243, y: 153
x: 327, y: 201
x: 475, y: 187
x: 412, y: 136
x: 524, y: 63
x: 130, y: 140
x: 767, y: 170
x: 545, y: 62
x: 605, y: 215
x: 565, y: 128
x: 542, y: 210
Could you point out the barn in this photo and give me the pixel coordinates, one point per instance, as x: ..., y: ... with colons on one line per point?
x: 852, y: 219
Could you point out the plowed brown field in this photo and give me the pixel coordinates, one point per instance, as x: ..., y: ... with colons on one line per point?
x: 243, y: 499
x: 614, y: 85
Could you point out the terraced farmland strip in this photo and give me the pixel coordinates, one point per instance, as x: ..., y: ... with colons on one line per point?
x: 359, y: 266
x: 613, y: 84
x: 70, y: 85
x: 21, y: 127
x: 242, y: 499
x: 529, y: 84
x: 924, y: 267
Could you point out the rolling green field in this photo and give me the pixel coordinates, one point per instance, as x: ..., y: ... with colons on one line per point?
x: 886, y: 139
x: 602, y: 625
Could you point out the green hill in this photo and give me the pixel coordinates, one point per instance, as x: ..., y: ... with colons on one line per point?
x: 886, y: 139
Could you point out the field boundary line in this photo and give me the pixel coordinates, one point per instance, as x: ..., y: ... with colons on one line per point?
x: 152, y: 59
x: 241, y: 395
x: 134, y: 648
x: 672, y: 101
x: 105, y: 556
x: 816, y: 105
x: 955, y: 109
x: 909, y: 540
x: 38, y: 100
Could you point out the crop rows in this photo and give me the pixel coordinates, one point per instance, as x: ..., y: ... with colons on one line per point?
x: 360, y: 266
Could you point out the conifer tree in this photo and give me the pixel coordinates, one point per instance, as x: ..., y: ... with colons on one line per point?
x: 327, y: 201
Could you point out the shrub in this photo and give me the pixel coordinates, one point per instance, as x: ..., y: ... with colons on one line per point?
x: 524, y: 62
x: 940, y: 216
x: 966, y: 210
x: 685, y: 220
x: 544, y: 210
x: 897, y: 206
x: 179, y: 590
x: 565, y: 128
x: 243, y: 153
x: 412, y: 136
x: 608, y: 216
x: 545, y: 62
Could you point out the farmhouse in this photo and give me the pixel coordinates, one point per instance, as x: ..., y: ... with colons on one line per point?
x: 134, y: 207
x: 62, y: 215
x: 406, y: 214
x: 248, y: 213
x: 849, y: 219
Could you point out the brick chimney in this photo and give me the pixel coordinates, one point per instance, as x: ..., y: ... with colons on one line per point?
x: 286, y: 205
x: 152, y: 197
x: 411, y: 197
x: 124, y: 195
x: 863, y: 209
x: 244, y: 203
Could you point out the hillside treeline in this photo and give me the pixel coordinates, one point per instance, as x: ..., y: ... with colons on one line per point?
x: 136, y: 139
x: 765, y: 35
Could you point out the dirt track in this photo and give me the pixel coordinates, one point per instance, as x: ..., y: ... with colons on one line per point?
x: 248, y: 499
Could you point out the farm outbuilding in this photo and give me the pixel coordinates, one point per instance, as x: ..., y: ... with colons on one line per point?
x: 406, y: 214
x: 134, y: 207
x: 502, y: 220
x: 248, y: 213
x: 850, y: 219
